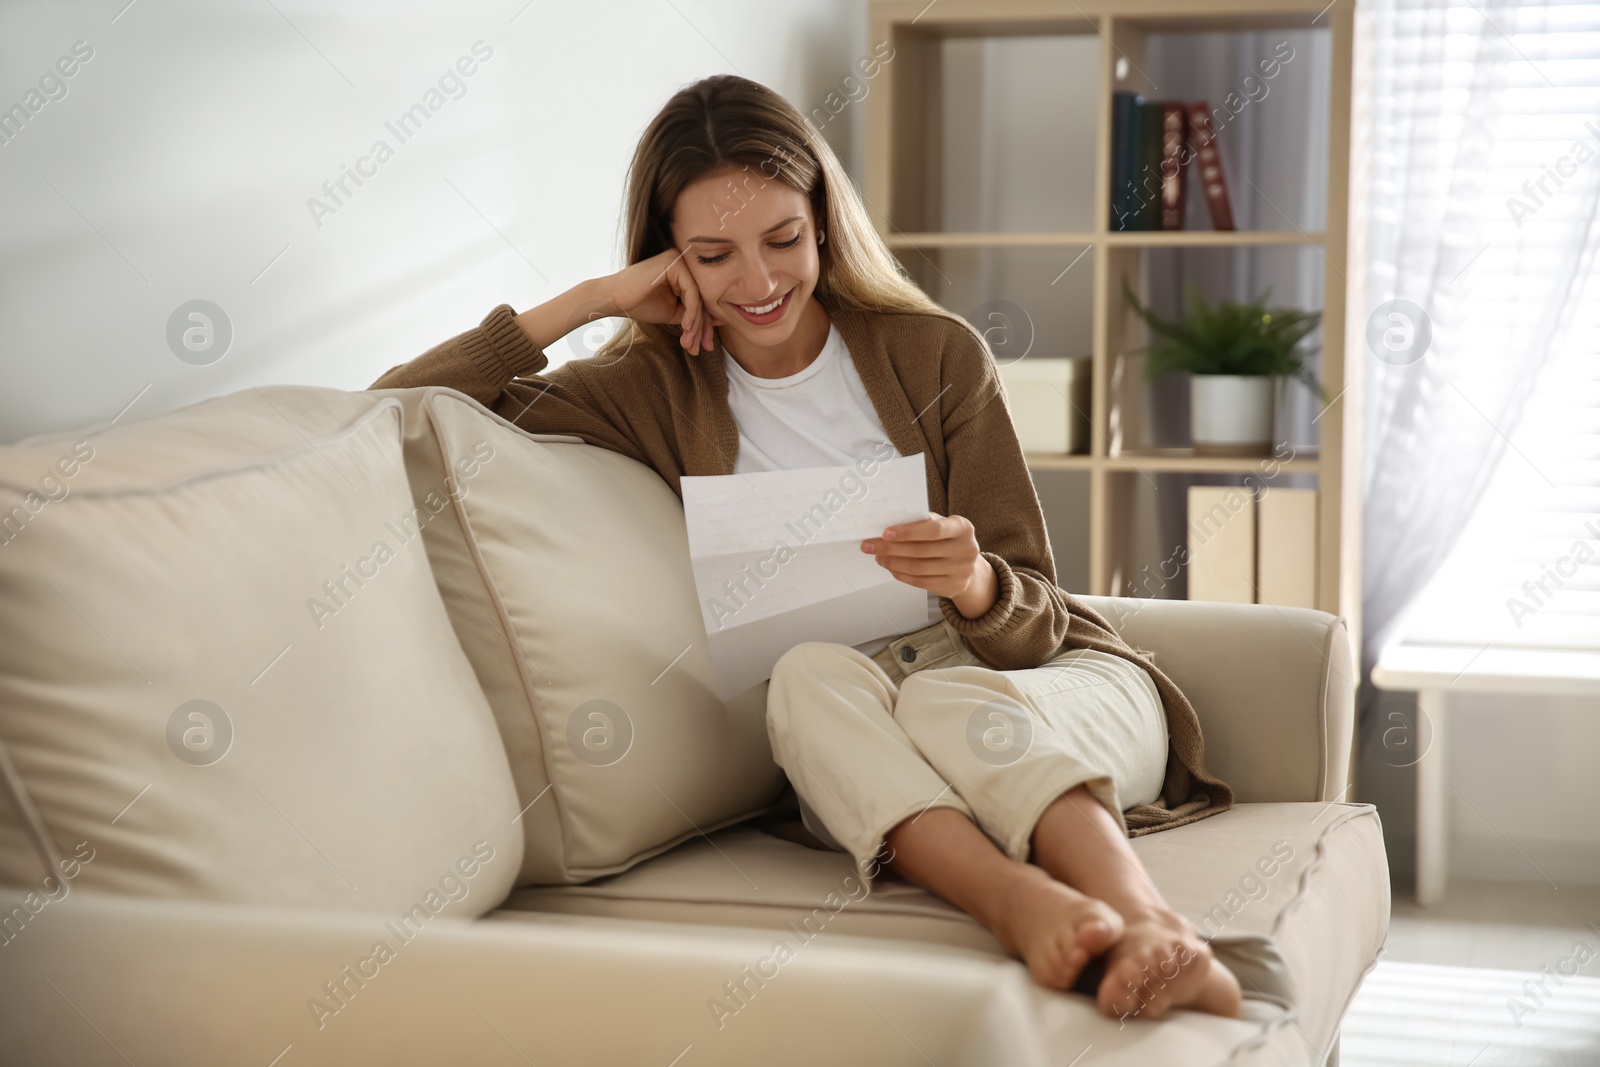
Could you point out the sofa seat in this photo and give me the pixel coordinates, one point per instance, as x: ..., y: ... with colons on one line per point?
x: 1309, y: 878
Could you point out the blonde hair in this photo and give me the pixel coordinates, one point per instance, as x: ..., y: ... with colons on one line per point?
x: 728, y: 121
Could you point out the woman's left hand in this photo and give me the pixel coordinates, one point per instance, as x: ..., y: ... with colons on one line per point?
x: 940, y: 554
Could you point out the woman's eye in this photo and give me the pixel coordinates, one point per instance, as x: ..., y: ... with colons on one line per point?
x: 709, y: 260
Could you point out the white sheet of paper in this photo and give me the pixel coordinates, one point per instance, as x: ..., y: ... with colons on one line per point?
x: 777, y: 560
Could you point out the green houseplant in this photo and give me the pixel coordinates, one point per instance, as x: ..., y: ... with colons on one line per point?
x: 1236, y: 352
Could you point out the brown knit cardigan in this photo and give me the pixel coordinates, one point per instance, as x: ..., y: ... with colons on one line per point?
x: 936, y: 389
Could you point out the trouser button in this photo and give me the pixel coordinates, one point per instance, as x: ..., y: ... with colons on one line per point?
x: 908, y: 653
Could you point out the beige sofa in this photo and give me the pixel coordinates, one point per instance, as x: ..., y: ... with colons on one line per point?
x: 252, y: 752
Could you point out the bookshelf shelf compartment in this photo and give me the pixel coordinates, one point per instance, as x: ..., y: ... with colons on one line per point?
x: 988, y: 173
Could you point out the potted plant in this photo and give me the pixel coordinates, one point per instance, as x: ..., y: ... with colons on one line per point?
x: 1236, y: 353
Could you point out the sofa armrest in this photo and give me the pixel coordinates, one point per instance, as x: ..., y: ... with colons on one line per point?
x: 1274, y: 688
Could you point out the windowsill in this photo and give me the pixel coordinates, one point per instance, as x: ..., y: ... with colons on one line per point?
x: 1487, y: 669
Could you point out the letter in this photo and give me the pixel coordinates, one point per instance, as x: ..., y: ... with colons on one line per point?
x: 61, y: 885
x: 341, y: 179
x: 1561, y: 166
x: 467, y: 66
x: 1234, y: 902
x: 829, y: 902
x: 467, y: 467
x: 761, y: 968
x: 869, y: 68
x: 318, y: 209
x: 1220, y: 915
x: 1518, y: 1009
x: 54, y: 488
x: 853, y: 487
x: 79, y: 851
x: 1562, y: 570
x: 1279, y: 51
x: 1269, y: 68
x: 851, y: 86
x: 430, y: 96
x: 1546, y: 176
x: 1583, y: 952
x: 1161, y: 968
x: 483, y: 850
x: 352, y: 174
x: 1253, y: 887
x: 419, y: 914
x: 34, y: 903
x: 483, y: 450
x: 481, y: 50
x: 1518, y: 610
x: 83, y: 50
x: 18, y: 116
x: 67, y: 466
x: 33, y: 101
x: 1265, y: 88
x: 361, y: 968
x: 1284, y: 851
x: 344, y: 983
x: 1582, y: 551
x: 453, y: 887
x: 362, y: 171
x: 451, y: 84
x: 66, y: 66
x: 382, y: 551
x: 1582, y: 150
x: 53, y: 87
x: 381, y: 151
x: 333, y: 993
x: 720, y: 1012
x: 362, y: 570
x: 467, y: 866
x: 782, y: 950
x: 320, y: 611
x: 1268, y: 867
x: 320, y: 1011
x: 433, y: 901
x: 418, y: 115
x: 83, y: 450
x: 68, y: 868
x: 1233, y: 103
x: 851, y: 885
x: 878, y: 50
x: 1567, y: 966
x: 382, y: 950
x: 744, y: 982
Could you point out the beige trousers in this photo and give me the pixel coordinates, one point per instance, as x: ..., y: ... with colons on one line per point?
x: 870, y: 741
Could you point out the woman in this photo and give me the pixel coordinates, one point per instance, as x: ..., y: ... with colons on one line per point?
x: 999, y: 757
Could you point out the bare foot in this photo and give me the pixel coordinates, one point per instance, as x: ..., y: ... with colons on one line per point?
x: 1054, y: 928
x: 1160, y: 963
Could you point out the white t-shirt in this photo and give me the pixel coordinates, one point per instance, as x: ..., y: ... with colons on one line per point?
x: 818, y: 417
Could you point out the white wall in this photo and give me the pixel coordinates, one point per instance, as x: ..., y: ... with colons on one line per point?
x: 179, y: 164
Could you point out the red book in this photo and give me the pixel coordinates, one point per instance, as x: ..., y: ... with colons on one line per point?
x: 1210, y: 161
x: 1173, y: 134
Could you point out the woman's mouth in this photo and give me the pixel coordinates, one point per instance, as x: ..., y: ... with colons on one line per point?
x: 765, y: 314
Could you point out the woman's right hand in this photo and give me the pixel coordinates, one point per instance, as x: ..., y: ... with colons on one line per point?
x: 661, y: 289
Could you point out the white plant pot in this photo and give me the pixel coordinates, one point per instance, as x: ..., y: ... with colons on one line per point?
x: 1231, y: 414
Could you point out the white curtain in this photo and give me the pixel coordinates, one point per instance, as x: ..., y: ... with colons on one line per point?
x: 1457, y: 106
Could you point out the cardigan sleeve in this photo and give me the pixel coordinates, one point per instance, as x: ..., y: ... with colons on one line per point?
x: 990, y: 485
x: 482, y: 363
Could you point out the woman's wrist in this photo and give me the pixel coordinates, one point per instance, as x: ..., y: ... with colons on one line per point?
x: 549, y: 322
x: 981, y: 593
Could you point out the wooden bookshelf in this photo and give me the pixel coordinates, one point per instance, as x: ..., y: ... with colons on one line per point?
x: 904, y: 130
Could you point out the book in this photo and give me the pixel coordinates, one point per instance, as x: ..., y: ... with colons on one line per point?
x: 1222, y: 544
x: 1174, y: 138
x: 1147, y: 175
x: 1286, y: 548
x: 1209, y: 160
x: 1124, y: 110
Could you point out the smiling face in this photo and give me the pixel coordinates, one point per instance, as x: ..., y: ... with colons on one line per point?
x: 752, y: 254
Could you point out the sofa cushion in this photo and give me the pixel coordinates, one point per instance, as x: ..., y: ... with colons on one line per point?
x: 565, y: 568
x: 1312, y: 879
x: 226, y: 671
